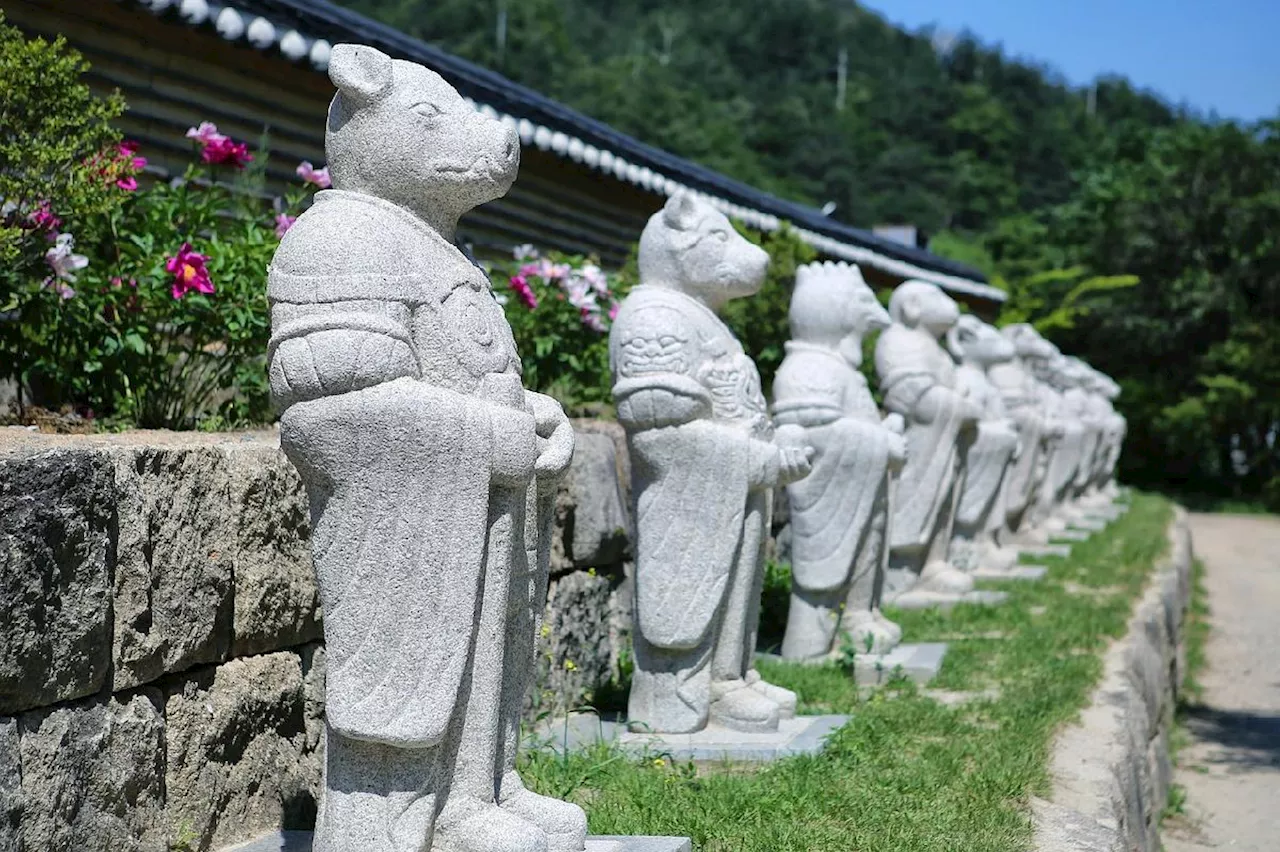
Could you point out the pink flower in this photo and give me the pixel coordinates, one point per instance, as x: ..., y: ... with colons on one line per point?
x: 218, y: 149
x: 592, y: 320
x: 524, y: 252
x: 63, y: 260
x: 189, y: 272
x: 206, y: 133
x: 317, y: 177
x: 43, y: 218
x: 613, y: 311
x: 521, y: 285
x: 64, y: 291
x: 128, y: 184
x: 283, y: 223
x: 226, y: 152
x: 128, y: 150
x: 117, y: 281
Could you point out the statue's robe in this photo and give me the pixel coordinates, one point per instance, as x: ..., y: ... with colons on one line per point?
x: 393, y: 355
x: 691, y: 401
x: 1065, y: 457
x: 911, y: 364
x: 831, y: 508
x: 1017, y: 388
x: 988, y: 457
x: 1077, y: 402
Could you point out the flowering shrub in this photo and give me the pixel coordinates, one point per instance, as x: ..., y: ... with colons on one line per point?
x: 560, y: 308
x: 158, y: 316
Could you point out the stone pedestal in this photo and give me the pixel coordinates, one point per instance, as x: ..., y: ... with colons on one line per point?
x: 919, y: 662
x: 1061, y: 551
x: 1017, y: 572
x: 922, y: 599
x: 300, y: 841
x: 797, y: 735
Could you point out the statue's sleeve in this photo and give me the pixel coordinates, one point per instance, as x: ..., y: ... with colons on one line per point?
x: 319, y: 350
x: 807, y: 391
x: 904, y: 373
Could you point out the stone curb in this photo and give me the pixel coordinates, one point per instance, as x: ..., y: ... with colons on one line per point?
x: 1111, y: 770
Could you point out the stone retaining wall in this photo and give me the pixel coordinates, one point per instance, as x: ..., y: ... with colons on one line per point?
x: 161, y: 671
x: 1112, y: 770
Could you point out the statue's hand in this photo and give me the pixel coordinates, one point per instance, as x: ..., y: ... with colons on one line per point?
x: 515, y: 445
x: 555, y: 436
x: 795, y: 456
x: 895, y: 423
x: 897, y: 450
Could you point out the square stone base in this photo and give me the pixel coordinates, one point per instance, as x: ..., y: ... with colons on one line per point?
x: 300, y: 841
x: 1060, y: 550
x: 1017, y: 572
x: 919, y: 662
x: 801, y: 735
x: 940, y: 600
x: 1070, y: 535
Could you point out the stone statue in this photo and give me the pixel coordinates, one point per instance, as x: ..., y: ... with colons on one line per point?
x: 1021, y: 393
x: 705, y: 461
x: 1045, y: 363
x: 1118, y: 426
x: 918, y: 380
x: 430, y: 471
x: 980, y: 508
x: 1078, y: 399
x: 839, y: 512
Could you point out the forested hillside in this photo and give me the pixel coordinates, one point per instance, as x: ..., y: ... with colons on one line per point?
x: 1059, y: 193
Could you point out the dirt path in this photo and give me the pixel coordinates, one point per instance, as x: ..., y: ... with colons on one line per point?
x: 1231, y: 769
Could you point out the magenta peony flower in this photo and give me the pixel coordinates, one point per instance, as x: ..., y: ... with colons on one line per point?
x: 189, y: 272
x: 317, y: 177
x: 613, y: 311
x: 283, y: 223
x: 226, y: 152
x: 521, y: 285
x: 128, y: 184
x: 43, y: 218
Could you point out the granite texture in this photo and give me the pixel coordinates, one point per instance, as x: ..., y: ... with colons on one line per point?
x: 919, y: 383
x: 431, y: 474
x: 301, y: 841
x: 705, y: 461
x: 56, y: 519
x: 838, y: 513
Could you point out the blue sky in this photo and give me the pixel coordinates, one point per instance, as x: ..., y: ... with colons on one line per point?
x: 1221, y: 56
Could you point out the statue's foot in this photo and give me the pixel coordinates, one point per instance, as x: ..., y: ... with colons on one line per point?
x: 892, y: 627
x: 870, y: 635
x: 736, y: 705
x: 470, y: 825
x: 1000, y: 558
x: 564, y: 823
x: 941, y: 577
x: 784, y: 698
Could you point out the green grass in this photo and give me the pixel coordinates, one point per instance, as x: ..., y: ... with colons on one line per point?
x: 907, y: 773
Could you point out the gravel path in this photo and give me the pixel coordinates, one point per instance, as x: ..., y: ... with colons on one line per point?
x: 1231, y: 768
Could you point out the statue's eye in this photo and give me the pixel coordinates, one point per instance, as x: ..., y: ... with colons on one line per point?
x: 426, y: 109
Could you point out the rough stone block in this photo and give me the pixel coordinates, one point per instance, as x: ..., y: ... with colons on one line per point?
x: 238, y: 757
x: 10, y: 787
x: 575, y: 649
x: 173, y: 565
x: 56, y: 512
x: 276, y: 601
x: 591, y: 506
x: 93, y: 775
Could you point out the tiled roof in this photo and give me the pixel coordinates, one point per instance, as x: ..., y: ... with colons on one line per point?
x: 303, y: 31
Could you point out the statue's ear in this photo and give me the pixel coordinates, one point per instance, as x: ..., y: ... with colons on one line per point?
x: 360, y: 72
x: 911, y: 309
x: 956, y: 339
x: 681, y: 212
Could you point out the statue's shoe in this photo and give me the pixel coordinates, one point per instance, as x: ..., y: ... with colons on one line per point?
x: 466, y: 824
x: 999, y: 558
x: 564, y: 823
x: 784, y: 698
x: 870, y: 635
x: 943, y: 578
x: 739, y: 707
x: 888, y: 625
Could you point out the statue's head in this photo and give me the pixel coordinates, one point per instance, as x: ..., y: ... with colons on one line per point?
x: 398, y: 131
x: 690, y: 246
x: 919, y: 304
x: 1028, y: 343
x: 974, y: 342
x: 1110, y: 387
x: 832, y: 306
